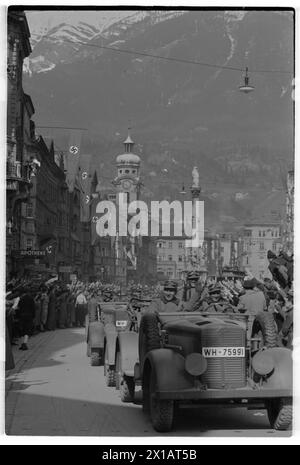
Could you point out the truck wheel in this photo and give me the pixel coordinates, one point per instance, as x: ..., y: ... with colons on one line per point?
x: 161, y: 411
x: 264, y: 328
x: 280, y: 413
x: 118, y: 370
x: 110, y: 377
x: 95, y: 357
x: 88, y: 350
x: 149, y: 338
x: 127, y: 389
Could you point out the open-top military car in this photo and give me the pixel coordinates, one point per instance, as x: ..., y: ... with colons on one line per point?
x: 94, y: 332
x: 102, y: 325
x: 126, y: 355
x: 211, y: 359
x: 115, y: 319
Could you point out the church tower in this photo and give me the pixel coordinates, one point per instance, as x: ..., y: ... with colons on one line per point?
x: 128, y: 171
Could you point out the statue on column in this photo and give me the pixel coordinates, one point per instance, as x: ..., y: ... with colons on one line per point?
x: 195, y: 175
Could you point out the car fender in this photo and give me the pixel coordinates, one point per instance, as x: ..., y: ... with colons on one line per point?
x: 128, y: 342
x: 95, y: 334
x: 110, y: 343
x: 282, y: 375
x: 169, y: 369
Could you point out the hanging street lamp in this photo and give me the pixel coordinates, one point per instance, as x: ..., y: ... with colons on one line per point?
x: 246, y: 88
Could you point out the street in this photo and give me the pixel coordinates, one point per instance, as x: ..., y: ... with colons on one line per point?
x: 53, y: 391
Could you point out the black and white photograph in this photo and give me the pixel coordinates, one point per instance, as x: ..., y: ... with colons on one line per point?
x: 148, y: 222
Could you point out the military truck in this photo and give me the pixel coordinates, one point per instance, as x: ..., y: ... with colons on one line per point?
x: 212, y: 359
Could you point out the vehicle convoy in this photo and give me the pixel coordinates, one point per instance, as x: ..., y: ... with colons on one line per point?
x: 211, y: 359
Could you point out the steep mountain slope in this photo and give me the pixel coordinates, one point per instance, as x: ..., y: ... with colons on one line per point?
x: 183, y: 114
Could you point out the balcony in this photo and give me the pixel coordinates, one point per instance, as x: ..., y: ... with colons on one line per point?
x: 16, y: 172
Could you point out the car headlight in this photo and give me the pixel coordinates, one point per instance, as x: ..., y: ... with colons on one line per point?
x: 195, y: 364
x: 263, y: 363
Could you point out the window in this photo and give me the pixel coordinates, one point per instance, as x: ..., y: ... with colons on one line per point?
x: 127, y: 171
x: 264, y: 233
x: 29, y: 244
x: 170, y: 258
x: 247, y: 261
x: 274, y: 247
x: 180, y: 258
x: 29, y: 210
x: 261, y: 245
x: 159, y: 245
x: 259, y: 233
x: 170, y: 245
x: 180, y: 246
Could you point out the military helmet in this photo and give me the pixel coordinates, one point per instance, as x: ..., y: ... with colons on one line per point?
x: 170, y: 285
x: 195, y: 274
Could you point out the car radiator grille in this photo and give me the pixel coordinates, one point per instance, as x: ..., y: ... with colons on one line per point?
x: 227, y: 372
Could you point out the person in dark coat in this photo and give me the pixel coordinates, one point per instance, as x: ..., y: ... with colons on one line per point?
x: 51, y: 318
x: 26, y: 314
x: 62, y: 309
x: 71, y: 318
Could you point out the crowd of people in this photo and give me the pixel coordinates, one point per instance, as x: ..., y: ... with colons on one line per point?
x: 33, y: 307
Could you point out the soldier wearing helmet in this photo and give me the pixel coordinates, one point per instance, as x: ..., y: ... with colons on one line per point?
x: 167, y: 302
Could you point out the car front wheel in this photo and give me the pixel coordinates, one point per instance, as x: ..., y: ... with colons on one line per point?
x: 280, y: 413
x: 161, y: 411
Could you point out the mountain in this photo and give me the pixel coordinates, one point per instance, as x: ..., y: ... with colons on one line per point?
x: 182, y: 114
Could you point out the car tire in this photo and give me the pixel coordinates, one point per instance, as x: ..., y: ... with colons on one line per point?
x: 161, y: 411
x: 265, y: 326
x: 110, y: 377
x: 280, y: 414
x: 149, y: 337
x: 95, y: 357
x: 88, y: 350
x: 118, y: 370
x: 127, y: 389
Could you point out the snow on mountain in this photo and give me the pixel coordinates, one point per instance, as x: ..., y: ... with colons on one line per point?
x: 52, y: 40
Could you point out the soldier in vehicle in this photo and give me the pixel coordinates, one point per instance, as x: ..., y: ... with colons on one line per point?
x: 215, y: 301
x: 286, y: 333
x: 167, y: 302
x: 195, y: 290
x: 107, y: 295
x: 253, y: 301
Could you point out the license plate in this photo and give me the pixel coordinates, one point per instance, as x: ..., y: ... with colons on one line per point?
x: 210, y: 352
x: 121, y: 323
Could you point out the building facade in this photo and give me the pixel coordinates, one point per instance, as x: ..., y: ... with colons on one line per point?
x: 19, y: 163
x: 258, y: 238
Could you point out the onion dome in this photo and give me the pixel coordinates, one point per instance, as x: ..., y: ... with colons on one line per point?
x: 128, y: 159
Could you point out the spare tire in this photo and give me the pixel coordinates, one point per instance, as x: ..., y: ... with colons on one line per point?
x: 149, y: 337
x: 264, y: 326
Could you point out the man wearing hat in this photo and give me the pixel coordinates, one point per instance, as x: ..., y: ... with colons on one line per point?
x: 167, y: 302
x: 253, y: 301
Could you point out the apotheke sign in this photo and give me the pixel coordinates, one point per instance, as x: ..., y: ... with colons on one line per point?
x: 30, y: 253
